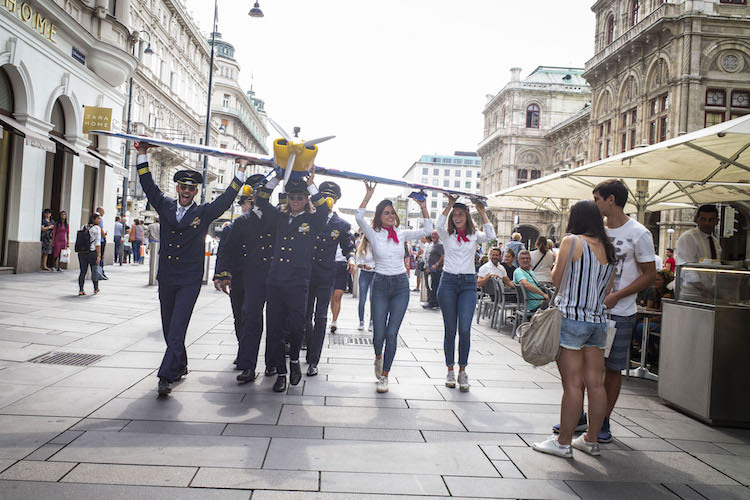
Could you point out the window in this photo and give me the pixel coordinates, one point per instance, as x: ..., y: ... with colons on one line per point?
x: 435, y: 182
x: 736, y: 2
x: 446, y: 172
x: 225, y: 101
x: 740, y: 99
x: 610, y: 29
x: 627, y: 129
x: 457, y: 173
x: 433, y: 215
x: 468, y: 173
x: 457, y: 184
x: 436, y: 160
x: 605, y: 130
x: 718, y: 109
x: 434, y: 203
x: 716, y: 97
x: 468, y: 185
x: 457, y: 162
x: 446, y: 160
x: 435, y: 171
x: 532, y: 116
x: 635, y: 11
x: 527, y: 174
x: 425, y: 171
x: 658, y: 119
x: 446, y: 183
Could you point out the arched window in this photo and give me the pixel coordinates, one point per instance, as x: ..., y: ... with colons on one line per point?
x: 58, y: 119
x: 610, y: 29
x: 528, y: 174
x: 635, y: 11
x: 6, y: 94
x: 532, y: 116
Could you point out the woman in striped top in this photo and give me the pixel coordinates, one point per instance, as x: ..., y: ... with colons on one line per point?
x: 583, y: 335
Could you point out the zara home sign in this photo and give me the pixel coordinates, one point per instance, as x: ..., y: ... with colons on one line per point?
x: 24, y: 12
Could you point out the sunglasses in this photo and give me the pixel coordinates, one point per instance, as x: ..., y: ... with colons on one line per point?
x: 188, y: 187
x: 296, y: 197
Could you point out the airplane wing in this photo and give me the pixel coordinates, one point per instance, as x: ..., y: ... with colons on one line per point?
x: 191, y: 148
x: 343, y: 174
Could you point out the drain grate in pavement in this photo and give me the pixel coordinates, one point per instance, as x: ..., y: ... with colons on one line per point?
x: 355, y: 340
x: 67, y: 358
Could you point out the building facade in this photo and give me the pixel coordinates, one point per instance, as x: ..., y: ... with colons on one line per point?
x: 459, y: 171
x: 517, y: 148
x: 55, y: 58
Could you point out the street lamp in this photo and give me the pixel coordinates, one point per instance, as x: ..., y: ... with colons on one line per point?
x: 126, y: 176
x: 254, y: 12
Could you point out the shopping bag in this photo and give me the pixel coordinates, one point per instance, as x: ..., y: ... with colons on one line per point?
x: 64, y: 256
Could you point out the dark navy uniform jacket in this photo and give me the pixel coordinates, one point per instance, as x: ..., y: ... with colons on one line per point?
x: 182, y: 245
x: 336, y: 232
x: 246, y: 246
x: 293, y: 244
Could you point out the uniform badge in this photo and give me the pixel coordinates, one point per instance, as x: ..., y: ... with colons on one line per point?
x: 304, y: 228
x: 335, y: 233
x: 196, y: 222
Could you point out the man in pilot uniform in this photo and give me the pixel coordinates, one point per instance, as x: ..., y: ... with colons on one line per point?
x: 336, y: 233
x: 184, y: 225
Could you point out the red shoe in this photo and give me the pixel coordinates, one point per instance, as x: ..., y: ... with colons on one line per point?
x: 81, y: 293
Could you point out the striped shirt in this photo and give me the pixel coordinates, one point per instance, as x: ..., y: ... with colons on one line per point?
x: 583, y: 299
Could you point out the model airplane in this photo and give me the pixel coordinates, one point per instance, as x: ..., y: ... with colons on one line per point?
x: 300, y: 155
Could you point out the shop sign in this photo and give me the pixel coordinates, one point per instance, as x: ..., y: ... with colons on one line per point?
x: 26, y: 14
x: 96, y: 119
x: 79, y: 56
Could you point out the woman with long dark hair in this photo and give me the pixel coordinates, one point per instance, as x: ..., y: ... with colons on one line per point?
x: 457, y: 293
x: 60, y: 239
x: 583, y: 335
x: 48, y: 226
x: 542, y: 260
x: 390, y: 287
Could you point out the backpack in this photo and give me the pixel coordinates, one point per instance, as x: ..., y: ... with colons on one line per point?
x: 83, y: 240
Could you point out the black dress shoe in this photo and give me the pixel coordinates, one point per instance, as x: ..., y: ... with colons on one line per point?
x: 312, y: 370
x: 184, y: 372
x: 270, y: 372
x: 163, y: 388
x: 246, y: 376
x: 280, y: 384
x: 235, y: 361
x: 295, y: 373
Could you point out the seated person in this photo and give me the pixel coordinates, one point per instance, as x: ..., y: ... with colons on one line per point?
x: 508, y: 257
x: 654, y: 296
x: 494, y: 268
x: 525, y: 277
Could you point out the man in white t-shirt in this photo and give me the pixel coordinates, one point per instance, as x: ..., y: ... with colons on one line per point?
x: 493, y: 268
x: 634, y: 271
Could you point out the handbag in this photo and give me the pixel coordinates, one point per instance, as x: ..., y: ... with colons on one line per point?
x: 540, y: 337
x: 64, y: 256
x: 131, y: 234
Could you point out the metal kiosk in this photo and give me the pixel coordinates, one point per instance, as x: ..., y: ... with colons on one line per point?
x: 705, y: 344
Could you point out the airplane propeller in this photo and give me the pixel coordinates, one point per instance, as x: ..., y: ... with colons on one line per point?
x: 314, y: 142
x: 295, y: 146
x: 280, y: 130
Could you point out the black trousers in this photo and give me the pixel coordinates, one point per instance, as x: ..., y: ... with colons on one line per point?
x: 286, y: 307
x: 251, y: 327
x: 316, y: 319
x: 101, y: 262
x: 237, y: 298
x: 177, y: 303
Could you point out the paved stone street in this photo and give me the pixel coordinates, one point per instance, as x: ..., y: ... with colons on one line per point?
x: 99, y: 430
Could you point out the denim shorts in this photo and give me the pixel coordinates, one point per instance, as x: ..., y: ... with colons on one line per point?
x: 576, y: 334
x: 620, y: 352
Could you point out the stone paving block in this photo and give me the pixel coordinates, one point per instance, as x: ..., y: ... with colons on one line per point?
x: 404, y: 484
x: 736, y: 467
x: 157, y: 449
x: 105, y: 378
x: 144, y: 475
x: 264, y: 479
x: 509, y: 488
x: 4, y: 464
x: 553, y: 409
x: 507, y: 469
x: 503, y: 395
x: 37, y: 374
x: 99, y: 424
x: 36, y: 471
x: 693, y: 430
x: 483, y: 438
x: 617, y: 465
x: 379, y: 457
x: 648, y: 444
x: 366, y: 434
x: 685, y: 492
x: 62, y: 401
x: 742, y: 450
x: 448, y: 405
x: 45, y: 452
x: 599, y: 490
x: 66, y: 437
x: 367, y: 390
x: 10, y: 393
x: 376, y: 418
x: 213, y: 397
x: 694, y: 447
x: 161, y: 427
x: 17, y: 490
x: 125, y: 359
x: 282, y: 431
x: 20, y: 435
x: 494, y: 452
x: 721, y: 492
x: 369, y: 402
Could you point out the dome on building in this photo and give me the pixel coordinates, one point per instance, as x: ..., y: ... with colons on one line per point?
x: 223, y: 48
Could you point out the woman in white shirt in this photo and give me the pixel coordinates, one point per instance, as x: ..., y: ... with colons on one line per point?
x: 366, y: 265
x: 542, y: 261
x: 390, y: 287
x: 457, y: 294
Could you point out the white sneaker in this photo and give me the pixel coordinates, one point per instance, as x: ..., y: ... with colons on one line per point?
x: 333, y: 327
x: 580, y: 443
x: 378, y: 367
x: 361, y: 325
x: 369, y: 329
x: 463, y: 381
x: 450, y: 379
x: 383, y: 384
x: 552, y: 447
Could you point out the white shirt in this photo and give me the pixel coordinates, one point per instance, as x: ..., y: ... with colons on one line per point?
x: 693, y: 246
x: 543, y: 271
x: 459, y: 255
x: 426, y: 253
x: 489, y: 268
x: 181, y: 211
x: 366, y: 259
x: 633, y: 244
x: 95, y: 233
x: 389, y: 255
x: 658, y: 262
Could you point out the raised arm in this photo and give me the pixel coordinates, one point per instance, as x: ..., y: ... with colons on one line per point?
x: 270, y: 213
x: 415, y: 234
x: 489, y: 232
x: 367, y: 230
x: 153, y: 193
x: 225, y: 200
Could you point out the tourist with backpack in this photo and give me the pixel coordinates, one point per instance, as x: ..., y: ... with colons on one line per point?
x: 89, y: 249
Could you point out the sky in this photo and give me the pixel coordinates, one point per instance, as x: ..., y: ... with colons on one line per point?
x: 393, y: 79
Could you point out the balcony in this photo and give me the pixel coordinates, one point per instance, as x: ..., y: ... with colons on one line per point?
x: 664, y: 12
x: 237, y: 113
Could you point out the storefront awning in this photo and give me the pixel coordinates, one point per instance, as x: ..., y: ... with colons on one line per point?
x: 32, y: 138
x: 86, y: 158
x: 100, y: 157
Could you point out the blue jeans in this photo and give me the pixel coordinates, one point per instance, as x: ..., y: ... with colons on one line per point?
x: 365, y: 282
x: 457, y: 296
x: 137, y: 251
x: 390, y: 297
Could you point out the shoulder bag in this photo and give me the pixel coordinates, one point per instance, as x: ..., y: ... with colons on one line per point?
x: 540, y: 337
